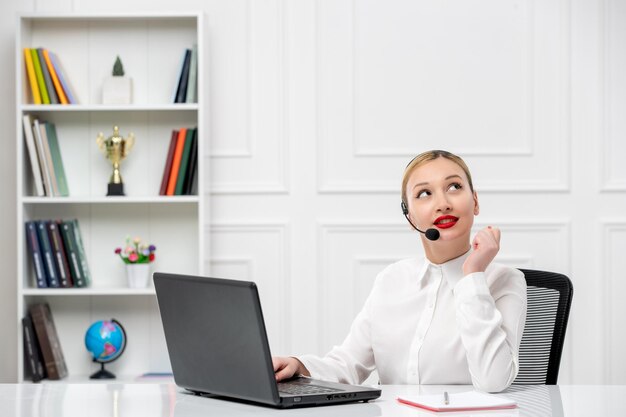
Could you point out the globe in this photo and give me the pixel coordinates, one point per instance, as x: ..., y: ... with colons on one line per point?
x: 106, y: 341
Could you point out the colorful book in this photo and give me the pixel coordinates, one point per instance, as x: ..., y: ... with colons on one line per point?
x: 65, y: 277
x: 48, y: 257
x: 184, y: 78
x: 45, y: 99
x: 71, y: 251
x: 57, y: 161
x: 32, y: 77
x: 65, y: 84
x: 48, y: 339
x: 55, y: 79
x: 35, y: 368
x: 32, y: 242
x: 193, y: 165
x: 47, y: 78
x: 178, y: 153
x: 43, y: 163
x: 32, y: 155
x: 191, y: 96
x: 184, y: 162
x: 82, y: 254
x: 48, y: 157
x: 168, y: 163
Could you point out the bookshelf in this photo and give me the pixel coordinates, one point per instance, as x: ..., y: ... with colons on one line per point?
x: 150, y: 46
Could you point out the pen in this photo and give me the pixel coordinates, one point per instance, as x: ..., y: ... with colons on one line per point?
x: 446, y: 398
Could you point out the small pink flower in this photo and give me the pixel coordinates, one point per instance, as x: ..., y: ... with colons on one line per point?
x: 118, y: 250
x: 128, y: 249
x: 133, y: 257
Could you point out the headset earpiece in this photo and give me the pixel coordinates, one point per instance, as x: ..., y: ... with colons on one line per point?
x: 405, y: 210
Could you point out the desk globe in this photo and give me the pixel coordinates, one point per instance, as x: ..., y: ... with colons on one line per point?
x: 106, y: 341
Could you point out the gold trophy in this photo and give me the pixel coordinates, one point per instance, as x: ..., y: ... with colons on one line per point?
x: 115, y: 148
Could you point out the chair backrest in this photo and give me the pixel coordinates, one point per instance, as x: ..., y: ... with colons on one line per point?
x: 549, y: 296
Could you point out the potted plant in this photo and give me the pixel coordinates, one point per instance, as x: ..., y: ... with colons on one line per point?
x: 117, y: 89
x: 137, y: 257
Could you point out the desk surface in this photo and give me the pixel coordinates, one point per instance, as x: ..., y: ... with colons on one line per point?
x: 168, y: 400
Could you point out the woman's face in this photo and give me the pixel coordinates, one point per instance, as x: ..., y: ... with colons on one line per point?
x: 439, y: 196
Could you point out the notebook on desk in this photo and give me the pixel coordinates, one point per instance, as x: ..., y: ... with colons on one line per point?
x: 218, y: 345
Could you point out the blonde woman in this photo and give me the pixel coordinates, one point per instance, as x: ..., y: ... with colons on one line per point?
x: 451, y: 316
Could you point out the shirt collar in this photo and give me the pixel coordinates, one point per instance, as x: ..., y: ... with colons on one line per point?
x: 451, y: 270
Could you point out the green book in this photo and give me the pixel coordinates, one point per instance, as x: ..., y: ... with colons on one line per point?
x: 81, y: 253
x: 45, y: 99
x: 184, y: 162
x: 57, y: 161
x: 71, y: 251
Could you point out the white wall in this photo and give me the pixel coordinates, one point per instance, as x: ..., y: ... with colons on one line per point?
x: 317, y: 106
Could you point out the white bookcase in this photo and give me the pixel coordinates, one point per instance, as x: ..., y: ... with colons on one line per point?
x: 151, y: 48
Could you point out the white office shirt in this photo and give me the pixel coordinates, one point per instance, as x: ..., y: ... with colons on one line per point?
x: 428, y: 324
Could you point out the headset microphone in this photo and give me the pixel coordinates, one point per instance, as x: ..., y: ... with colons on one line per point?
x: 431, y: 234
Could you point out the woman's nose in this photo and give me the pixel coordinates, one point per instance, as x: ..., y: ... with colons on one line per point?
x: 443, y: 205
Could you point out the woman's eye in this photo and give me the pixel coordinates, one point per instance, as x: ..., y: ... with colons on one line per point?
x: 455, y: 186
x: 423, y: 194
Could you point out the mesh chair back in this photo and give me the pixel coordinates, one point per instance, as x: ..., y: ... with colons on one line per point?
x: 549, y: 296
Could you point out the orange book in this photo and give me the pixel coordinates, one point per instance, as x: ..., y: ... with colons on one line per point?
x: 32, y: 78
x: 178, y: 154
x: 55, y: 79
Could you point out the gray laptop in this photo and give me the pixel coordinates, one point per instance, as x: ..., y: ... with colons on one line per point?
x: 217, y: 345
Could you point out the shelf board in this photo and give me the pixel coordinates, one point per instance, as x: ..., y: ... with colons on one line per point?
x: 107, y: 108
x: 35, y: 292
x: 177, y: 199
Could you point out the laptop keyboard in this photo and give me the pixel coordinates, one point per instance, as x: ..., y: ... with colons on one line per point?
x: 296, y: 388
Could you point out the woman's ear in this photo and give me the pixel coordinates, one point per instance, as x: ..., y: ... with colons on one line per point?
x: 476, y: 205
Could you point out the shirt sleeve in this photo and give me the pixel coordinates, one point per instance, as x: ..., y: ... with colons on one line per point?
x: 353, y: 360
x: 490, y: 316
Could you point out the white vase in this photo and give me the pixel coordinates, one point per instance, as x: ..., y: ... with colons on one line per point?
x: 138, y: 275
x: 117, y: 90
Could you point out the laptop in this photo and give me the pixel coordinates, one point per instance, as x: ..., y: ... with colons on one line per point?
x: 218, y: 345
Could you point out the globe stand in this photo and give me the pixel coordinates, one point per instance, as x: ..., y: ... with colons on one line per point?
x: 102, y: 373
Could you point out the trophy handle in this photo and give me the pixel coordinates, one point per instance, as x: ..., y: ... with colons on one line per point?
x: 129, y: 143
x: 101, y: 145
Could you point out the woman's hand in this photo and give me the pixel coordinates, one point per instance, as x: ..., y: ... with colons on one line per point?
x: 286, y: 367
x: 485, y: 245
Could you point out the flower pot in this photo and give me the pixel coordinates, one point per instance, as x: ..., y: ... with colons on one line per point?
x: 117, y: 90
x: 138, y: 275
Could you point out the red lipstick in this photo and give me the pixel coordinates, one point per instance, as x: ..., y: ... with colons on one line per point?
x: 445, y: 222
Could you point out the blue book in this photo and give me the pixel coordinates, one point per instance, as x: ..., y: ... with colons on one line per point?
x: 62, y: 79
x: 48, y: 257
x: 32, y: 241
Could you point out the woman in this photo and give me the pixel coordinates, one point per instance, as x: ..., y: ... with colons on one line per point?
x: 451, y: 317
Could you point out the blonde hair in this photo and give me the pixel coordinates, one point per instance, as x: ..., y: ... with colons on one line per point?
x: 431, y: 156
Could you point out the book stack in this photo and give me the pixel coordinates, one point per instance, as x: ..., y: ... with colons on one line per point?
x: 45, y: 157
x: 57, y: 252
x: 46, y: 78
x: 181, y: 165
x: 186, y: 90
x: 42, y: 350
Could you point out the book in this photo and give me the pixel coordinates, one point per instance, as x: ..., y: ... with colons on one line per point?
x: 32, y: 77
x: 184, y: 162
x: 168, y: 163
x: 43, y: 164
x: 57, y: 161
x: 32, y: 155
x: 55, y: 79
x: 32, y: 242
x: 32, y: 354
x: 65, y: 277
x: 184, y: 78
x: 48, y: 257
x: 45, y: 99
x: 48, y: 339
x: 462, y: 401
x: 178, y: 153
x: 71, y: 251
x: 63, y: 80
x: 193, y: 165
x: 48, y: 157
x: 192, y: 83
x: 82, y: 255
x: 178, y: 78
x: 47, y: 78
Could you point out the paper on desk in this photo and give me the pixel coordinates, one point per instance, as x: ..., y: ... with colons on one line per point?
x: 462, y: 401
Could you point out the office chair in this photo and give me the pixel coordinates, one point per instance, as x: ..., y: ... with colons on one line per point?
x: 549, y: 296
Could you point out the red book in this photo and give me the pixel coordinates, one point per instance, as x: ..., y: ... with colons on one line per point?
x: 178, y: 154
x: 168, y: 163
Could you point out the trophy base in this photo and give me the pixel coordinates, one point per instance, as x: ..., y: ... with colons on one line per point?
x: 115, y: 189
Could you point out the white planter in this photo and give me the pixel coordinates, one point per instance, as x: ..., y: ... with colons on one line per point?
x: 138, y: 275
x: 117, y: 90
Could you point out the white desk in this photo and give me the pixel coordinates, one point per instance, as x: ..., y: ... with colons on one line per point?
x: 167, y: 400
